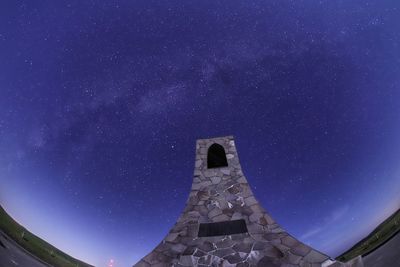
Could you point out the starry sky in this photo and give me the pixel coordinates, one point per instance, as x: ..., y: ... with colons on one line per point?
x: 101, y: 103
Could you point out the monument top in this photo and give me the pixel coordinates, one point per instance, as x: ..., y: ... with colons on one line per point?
x: 223, y: 224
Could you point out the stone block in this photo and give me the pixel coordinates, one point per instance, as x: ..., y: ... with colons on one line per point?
x: 234, y: 258
x: 255, y: 217
x: 215, y: 179
x: 289, y: 241
x: 300, y: 249
x: 292, y: 258
x: 223, y: 252
x: 179, y: 248
x: 224, y: 243
x: 206, y: 260
x: 171, y: 237
x: 226, y: 171
x: 221, y: 218
x: 250, y: 201
x: 187, y: 260
x: 315, y: 257
x: 198, y: 163
x: 214, y: 212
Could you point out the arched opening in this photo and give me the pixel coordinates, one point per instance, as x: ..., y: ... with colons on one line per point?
x: 216, y: 156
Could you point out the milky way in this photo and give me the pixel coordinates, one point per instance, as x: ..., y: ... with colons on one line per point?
x: 101, y: 103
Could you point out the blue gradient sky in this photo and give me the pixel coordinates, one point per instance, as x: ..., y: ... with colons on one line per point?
x: 101, y: 104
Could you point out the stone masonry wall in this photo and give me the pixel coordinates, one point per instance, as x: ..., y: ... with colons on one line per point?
x: 223, y: 194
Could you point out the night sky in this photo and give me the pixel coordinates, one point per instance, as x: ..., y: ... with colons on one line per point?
x: 101, y: 103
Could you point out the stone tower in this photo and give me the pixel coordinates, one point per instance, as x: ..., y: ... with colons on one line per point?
x: 223, y: 224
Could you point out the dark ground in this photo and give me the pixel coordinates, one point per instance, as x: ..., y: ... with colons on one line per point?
x: 12, y: 254
x: 387, y: 255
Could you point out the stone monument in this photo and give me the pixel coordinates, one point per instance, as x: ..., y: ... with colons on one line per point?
x: 224, y: 225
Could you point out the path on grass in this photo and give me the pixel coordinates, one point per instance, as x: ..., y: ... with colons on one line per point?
x: 387, y: 255
x: 11, y: 254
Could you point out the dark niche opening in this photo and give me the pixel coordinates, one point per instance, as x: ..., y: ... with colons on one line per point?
x: 222, y: 228
x: 216, y: 156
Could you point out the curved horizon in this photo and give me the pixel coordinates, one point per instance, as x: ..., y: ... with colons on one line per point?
x: 101, y: 104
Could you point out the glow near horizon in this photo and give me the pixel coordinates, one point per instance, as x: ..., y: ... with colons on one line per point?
x: 26, y: 212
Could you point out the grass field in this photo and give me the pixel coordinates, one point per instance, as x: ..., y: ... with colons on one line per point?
x: 36, y: 245
x: 376, y: 238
